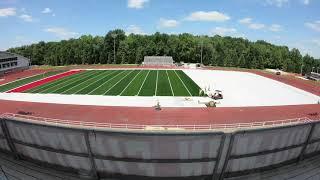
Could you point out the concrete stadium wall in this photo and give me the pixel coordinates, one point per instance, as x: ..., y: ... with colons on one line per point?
x: 98, y: 154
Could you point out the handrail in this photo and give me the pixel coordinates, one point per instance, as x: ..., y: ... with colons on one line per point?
x: 194, y: 127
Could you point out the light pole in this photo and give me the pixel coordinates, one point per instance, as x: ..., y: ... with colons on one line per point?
x: 201, y: 49
x: 114, y: 35
x: 301, y: 69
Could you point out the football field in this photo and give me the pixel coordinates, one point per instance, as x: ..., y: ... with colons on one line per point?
x: 122, y: 83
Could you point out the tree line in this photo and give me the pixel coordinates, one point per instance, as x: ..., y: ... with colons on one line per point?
x: 131, y: 49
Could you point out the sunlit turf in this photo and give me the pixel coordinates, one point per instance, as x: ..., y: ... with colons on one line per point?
x: 27, y: 80
x: 123, y: 83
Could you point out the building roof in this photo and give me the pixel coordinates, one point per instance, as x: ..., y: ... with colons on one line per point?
x: 5, y: 55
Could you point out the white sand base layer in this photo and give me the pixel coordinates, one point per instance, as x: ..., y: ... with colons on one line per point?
x: 242, y: 89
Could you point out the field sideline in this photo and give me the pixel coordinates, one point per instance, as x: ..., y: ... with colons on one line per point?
x: 122, y: 83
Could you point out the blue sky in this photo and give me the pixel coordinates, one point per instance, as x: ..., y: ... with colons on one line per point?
x: 294, y: 23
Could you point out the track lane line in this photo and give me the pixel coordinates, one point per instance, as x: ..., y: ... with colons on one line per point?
x: 130, y: 82
x: 143, y: 83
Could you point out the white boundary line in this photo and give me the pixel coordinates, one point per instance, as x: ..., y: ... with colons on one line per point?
x: 37, y: 80
x: 106, y: 81
x: 143, y: 82
x: 117, y: 83
x: 88, y: 75
x: 130, y: 83
x: 21, y: 79
x: 41, y: 92
x: 105, y: 75
x: 45, y: 88
x: 83, y: 82
x: 183, y: 83
x: 170, y: 83
x: 155, y: 93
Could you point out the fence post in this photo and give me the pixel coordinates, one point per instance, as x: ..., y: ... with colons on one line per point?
x: 93, y: 164
x: 307, y: 142
x: 8, y: 138
x: 219, y: 154
x: 230, y: 146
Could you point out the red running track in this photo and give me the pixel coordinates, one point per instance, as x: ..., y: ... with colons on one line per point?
x: 42, y: 81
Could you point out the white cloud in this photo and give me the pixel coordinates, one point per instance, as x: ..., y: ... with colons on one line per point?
x: 137, y: 4
x: 46, y: 11
x: 316, y: 42
x: 222, y: 31
x: 306, y: 2
x: 313, y: 25
x: 245, y: 21
x: 134, y: 29
x: 278, y: 3
x: 275, y: 28
x: 61, y: 32
x: 7, y: 12
x: 256, y: 26
x: 26, y: 17
x: 168, y: 23
x: 208, y: 16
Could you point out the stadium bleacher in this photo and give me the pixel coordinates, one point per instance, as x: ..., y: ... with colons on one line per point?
x: 158, y: 61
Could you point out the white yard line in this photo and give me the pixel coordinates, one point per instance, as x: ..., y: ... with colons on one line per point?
x: 169, y: 82
x: 95, y: 81
x: 88, y: 75
x: 130, y: 83
x: 155, y: 93
x: 183, y: 83
x: 21, y: 79
x: 106, y: 82
x: 143, y: 82
x: 83, y: 82
x: 37, y: 80
x: 64, y: 82
x: 117, y: 83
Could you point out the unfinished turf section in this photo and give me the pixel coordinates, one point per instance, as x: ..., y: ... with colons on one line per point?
x: 121, y: 83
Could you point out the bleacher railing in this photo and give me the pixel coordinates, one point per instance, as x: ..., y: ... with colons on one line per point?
x: 194, y: 127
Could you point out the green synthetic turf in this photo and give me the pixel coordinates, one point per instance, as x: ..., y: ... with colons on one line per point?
x: 55, y: 83
x: 63, y: 89
x: 53, y: 88
x: 191, y: 85
x: 177, y: 85
x: 134, y: 87
x: 121, y: 85
x: 163, y: 87
x: 111, y: 82
x: 149, y: 86
x: 124, y: 83
x: 28, y: 80
x: 96, y: 84
x: 85, y: 83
